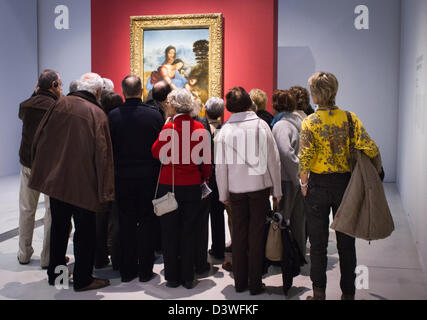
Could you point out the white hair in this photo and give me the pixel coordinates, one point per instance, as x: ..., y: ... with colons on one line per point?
x: 91, y: 82
x: 181, y: 100
x: 214, y: 107
x: 108, y: 84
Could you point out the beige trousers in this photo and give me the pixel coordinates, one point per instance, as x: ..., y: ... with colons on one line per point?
x: 28, y: 201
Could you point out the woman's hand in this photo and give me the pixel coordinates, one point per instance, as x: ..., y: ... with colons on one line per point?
x: 226, y: 202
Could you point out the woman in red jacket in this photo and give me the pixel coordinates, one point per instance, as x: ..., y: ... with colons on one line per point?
x: 184, y: 150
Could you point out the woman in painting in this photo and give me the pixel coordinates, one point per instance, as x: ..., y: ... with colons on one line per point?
x: 168, y: 71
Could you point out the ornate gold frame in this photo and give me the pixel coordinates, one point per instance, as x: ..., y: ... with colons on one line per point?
x: 213, y: 22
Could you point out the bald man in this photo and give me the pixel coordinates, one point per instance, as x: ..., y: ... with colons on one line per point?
x: 135, y: 127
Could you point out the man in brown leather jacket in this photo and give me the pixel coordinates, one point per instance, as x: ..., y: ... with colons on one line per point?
x: 31, y: 112
x: 73, y: 164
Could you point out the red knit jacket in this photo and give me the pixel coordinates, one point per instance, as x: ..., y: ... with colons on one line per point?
x: 186, y: 171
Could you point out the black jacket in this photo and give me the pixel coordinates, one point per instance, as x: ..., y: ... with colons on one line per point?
x: 31, y: 112
x: 292, y: 261
x: 134, y: 128
x: 266, y: 116
x: 156, y: 106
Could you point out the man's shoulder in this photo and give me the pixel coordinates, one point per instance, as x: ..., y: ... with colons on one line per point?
x: 151, y: 110
x: 38, y: 100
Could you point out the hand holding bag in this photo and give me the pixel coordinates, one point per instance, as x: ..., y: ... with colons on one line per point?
x: 274, y: 245
x: 167, y: 203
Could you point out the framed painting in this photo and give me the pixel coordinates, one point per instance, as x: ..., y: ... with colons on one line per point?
x: 184, y: 50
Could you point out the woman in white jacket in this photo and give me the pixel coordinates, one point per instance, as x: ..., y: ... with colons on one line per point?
x: 247, y: 171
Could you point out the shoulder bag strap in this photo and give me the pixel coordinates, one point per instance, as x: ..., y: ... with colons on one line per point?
x: 173, y: 169
x: 351, y: 137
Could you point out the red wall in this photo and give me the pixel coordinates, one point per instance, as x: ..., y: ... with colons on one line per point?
x: 250, y: 37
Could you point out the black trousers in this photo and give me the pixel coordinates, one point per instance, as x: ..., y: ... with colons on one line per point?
x: 178, y: 232
x: 137, y: 225
x: 84, y: 241
x: 325, y: 191
x: 217, y: 220
x: 202, y: 235
x: 102, y: 252
x: 249, y: 214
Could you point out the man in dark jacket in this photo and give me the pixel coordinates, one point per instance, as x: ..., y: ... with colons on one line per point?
x: 31, y: 112
x: 135, y: 127
x: 73, y: 164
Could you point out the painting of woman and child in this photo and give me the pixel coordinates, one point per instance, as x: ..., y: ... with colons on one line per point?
x: 180, y: 57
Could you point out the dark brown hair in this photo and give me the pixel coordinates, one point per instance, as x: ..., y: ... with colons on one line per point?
x: 283, y: 100
x: 301, y: 96
x: 238, y: 100
x: 110, y: 100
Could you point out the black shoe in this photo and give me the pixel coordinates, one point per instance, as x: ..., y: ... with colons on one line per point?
x: 243, y: 289
x: 228, y: 249
x: 128, y: 278
x: 258, y: 290
x: 189, y: 284
x: 215, y: 255
x: 147, y: 278
x: 204, y: 269
x: 95, y: 284
x: 172, y: 284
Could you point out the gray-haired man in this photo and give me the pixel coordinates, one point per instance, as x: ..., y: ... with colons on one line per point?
x: 73, y: 164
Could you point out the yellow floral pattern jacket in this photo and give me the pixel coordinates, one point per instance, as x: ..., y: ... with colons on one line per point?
x: 325, y: 142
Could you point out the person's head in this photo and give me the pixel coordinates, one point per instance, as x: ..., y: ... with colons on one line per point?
x: 180, y: 101
x: 108, y: 85
x: 301, y: 97
x: 238, y: 100
x: 51, y: 81
x: 284, y: 101
x: 259, y: 97
x: 132, y: 87
x: 92, y: 83
x: 110, y: 100
x: 214, y: 108
x: 74, y: 86
x: 160, y: 91
x: 170, y: 54
x: 324, y: 88
x: 178, y: 64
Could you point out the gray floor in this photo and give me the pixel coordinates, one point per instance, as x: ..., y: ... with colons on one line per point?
x: 389, y: 269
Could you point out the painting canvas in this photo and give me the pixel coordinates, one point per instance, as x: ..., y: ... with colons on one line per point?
x: 180, y: 57
x: 184, y: 50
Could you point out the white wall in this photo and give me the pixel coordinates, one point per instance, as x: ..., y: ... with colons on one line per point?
x: 18, y: 67
x: 68, y: 51
x: 319, y: 35
x: 412, y: 141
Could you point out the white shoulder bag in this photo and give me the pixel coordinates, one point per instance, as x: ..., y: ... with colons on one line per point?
x: 167, y: 203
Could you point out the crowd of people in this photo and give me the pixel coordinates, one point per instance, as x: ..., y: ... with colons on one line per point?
x: 101, y: 160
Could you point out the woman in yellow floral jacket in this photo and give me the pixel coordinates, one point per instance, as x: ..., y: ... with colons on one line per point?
x: 324, y: 174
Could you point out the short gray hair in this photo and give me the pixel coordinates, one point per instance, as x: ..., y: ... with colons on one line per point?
x: 74, y: 86
x: 91, y: 82
x: 108, y: 85
x: 214, y: 107
x: 181, y: 100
